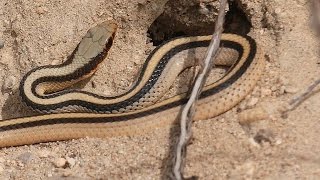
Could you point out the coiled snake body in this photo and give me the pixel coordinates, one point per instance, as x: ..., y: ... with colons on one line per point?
x: 84, y: 114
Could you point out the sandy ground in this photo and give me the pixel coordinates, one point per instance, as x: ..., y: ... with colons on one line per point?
x: 40, y: 32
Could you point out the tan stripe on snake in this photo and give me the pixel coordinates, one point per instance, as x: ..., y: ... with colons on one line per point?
x: 79, y: 114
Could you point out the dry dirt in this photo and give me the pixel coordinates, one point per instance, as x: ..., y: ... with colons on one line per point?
x: 43, y: 32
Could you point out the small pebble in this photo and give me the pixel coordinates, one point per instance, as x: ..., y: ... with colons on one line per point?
x: 283, y: 80
x: 262, y: 31
x: 55, y: 62
x: 222, y: 120
x: 266, y: 92
x: 60, y: 162
x: 44, y: 154
x: 1, y: 169
x: 242, y: 106
x: 278, y: 142
x: 282, y: 90
x: 203, y: 9
x: 274, y: 88
x: 278, y: 10
x: 107, y: 92
x: 6, y: 22
x: 8, y: 84
x: 254, y: 143
x: 123, y: 84
x: 291, y: 89
x: 1, y: 44
x: 67, y: 173
x: 41, y: 10
x: 20, y: 164
x: 71, y: 161
x: 253, y: 101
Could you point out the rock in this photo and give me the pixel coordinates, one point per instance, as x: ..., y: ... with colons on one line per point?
x: 25, y: 157
x: 71, y: 162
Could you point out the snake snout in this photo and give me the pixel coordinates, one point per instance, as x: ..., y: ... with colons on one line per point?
x: 110, y: 25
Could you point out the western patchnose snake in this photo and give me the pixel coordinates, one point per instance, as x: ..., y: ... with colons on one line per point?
x: 84, y: 114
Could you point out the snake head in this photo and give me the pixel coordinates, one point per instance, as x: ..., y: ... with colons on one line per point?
x: 98, y: 40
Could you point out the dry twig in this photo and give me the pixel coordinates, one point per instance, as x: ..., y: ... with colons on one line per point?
x: 315, y: 7
x: 189, y: 109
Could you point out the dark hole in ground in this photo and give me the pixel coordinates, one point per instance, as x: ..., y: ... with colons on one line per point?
x: 191, y: 20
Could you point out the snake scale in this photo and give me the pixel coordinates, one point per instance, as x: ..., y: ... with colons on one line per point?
x: 72, y: 114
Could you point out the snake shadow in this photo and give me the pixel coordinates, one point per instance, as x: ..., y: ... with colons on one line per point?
x: 14, y: 107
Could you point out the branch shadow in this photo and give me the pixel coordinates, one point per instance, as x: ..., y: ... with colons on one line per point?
x: 169, y: 160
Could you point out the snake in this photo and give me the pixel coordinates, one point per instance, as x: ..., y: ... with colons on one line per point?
x: 68, y: 113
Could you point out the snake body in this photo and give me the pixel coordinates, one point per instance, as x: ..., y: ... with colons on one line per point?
x: 78, y: 114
